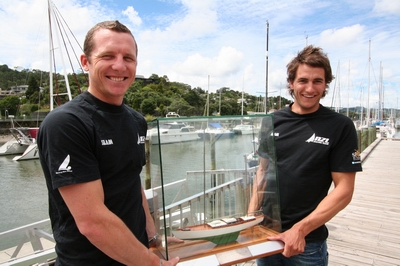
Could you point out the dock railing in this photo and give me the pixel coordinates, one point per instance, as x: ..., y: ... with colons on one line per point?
x: 366, y: 136
x: 224, y: 198
x: 32, y: 234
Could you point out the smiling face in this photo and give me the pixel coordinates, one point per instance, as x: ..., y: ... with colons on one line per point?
x: 308, y: 88
x: 111, y: 65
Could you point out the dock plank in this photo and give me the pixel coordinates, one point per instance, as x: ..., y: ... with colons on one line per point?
x: 367, y: 231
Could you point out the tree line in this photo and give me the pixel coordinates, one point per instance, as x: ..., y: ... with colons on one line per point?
x: 154, y: 96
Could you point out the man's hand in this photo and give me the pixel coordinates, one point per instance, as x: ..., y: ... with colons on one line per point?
x: 171, y: 262
x: 294, y: 242
x: 174, y: 240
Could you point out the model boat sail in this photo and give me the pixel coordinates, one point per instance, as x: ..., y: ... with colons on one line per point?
x: 219, y: 231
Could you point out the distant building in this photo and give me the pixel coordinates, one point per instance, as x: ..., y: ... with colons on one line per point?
x: 19, y: 89
x: 146, y: 81
x: 13, y: 91
x: 240, y: 100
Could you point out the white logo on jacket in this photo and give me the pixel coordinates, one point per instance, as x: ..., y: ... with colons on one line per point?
x: 141, y: 139
x: 64, y: 166
x: 318, y: 140
x: 106, y: 142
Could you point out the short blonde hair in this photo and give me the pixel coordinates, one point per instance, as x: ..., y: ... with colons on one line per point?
x: 114, y: 25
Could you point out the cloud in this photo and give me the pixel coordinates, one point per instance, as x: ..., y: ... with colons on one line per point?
x: 387, y: 6
x: 199, y: 19
x: 132, y: 15
x: 228, y: 62
x: 195, y: 19
x: 342, y: 37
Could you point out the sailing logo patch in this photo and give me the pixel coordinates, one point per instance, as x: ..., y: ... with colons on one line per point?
x: 64, y: 166
x: 318, y: 140
x: 141, y: 139
x: 356, y: 157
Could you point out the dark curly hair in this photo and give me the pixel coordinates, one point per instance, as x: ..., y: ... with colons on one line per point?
x: 313, y: 56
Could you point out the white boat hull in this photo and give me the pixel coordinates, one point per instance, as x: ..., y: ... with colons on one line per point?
x: 174, y: 138
x: 246, y: 129
x: 217, y: 135
x: 215, y: 232
x: 12, y: 147
x: 30, y: 153
x: 172, y: 132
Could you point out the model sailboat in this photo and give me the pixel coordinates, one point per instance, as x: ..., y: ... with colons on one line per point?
x: 219, y: 231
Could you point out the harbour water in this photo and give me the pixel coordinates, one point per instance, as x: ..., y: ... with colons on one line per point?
x: 23, y: 197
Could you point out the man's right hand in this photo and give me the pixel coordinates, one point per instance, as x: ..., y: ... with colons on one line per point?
x: 171, y: 262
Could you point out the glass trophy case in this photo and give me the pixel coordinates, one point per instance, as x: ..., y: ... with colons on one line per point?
x: 203, y: 186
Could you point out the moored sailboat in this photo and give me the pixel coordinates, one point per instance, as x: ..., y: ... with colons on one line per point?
x: 31, y: 151
x: 21, y: 138
x: 171, y: 132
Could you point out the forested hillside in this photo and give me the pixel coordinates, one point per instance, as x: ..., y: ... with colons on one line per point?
x: 152, y: 96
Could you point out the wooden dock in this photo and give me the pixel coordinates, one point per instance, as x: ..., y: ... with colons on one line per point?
x: 367, y: 231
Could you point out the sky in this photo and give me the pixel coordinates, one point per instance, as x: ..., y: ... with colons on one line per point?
x: 224, y: 43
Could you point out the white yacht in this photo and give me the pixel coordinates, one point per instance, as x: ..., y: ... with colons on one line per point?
x: 171, y: 132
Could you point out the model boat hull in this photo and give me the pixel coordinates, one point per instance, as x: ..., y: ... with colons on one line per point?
x: 218, y: 235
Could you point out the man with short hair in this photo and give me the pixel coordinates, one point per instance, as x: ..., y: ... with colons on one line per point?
x: 92, y: 150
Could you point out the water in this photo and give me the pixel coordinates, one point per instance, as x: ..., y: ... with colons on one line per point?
x: 189, y: 155
x: 179, y: 158
x: 23, y: 197
x: 23, y: 194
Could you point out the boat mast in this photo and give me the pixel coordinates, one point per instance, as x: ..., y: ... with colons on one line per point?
x: 348, y: 91
x: 51, y: 55
x: 339, y: 100
x: 242, y: 94
x: 52, y: 17
x: 369, y: 87
x: 208, y: 96
x: 336, y: 92
x: 381, y: 94
x: 266, y: 72
x: 220, y: 95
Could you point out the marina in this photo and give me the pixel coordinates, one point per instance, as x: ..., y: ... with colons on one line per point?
x: 362, y: 234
